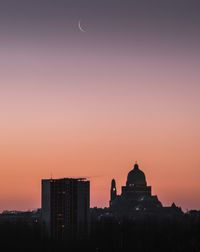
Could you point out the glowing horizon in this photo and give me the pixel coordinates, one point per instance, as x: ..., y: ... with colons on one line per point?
x: 78, y: 104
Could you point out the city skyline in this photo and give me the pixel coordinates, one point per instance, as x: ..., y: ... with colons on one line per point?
x: 88, y: 104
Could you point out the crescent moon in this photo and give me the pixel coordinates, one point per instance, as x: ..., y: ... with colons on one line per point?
x: 79, y: 26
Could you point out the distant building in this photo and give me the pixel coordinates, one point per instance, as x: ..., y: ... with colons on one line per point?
x: 15, y: 217
x: 136, y: 197
x: 65, y: 208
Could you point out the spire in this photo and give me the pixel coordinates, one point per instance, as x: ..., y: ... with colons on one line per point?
x: 113, y: 183
x: 113, y: 191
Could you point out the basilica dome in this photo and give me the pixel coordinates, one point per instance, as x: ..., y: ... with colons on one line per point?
x: 136, y: 177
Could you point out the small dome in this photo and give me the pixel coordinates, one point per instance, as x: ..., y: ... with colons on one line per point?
x: 136, y: 177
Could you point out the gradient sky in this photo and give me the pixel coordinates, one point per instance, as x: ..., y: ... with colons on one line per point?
x: 89, y: 104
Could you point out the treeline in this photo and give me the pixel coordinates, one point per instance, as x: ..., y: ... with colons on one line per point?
x: 148, y: 234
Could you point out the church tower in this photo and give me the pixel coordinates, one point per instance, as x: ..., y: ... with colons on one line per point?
x: 113, y: 191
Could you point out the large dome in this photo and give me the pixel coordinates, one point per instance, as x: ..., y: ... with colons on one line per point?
x: 136, y: 177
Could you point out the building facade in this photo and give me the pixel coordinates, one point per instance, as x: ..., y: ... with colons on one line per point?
x: 65, y: 208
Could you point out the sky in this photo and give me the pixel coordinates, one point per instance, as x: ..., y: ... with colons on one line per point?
x: 92, y: 103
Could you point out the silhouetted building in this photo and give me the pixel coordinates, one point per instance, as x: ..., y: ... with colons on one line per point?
x: 14, y: 217
x: 113, y: 191
x: 65, y: 208
x: 136, y: 197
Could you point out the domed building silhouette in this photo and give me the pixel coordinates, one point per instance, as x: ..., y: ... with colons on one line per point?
x: 136, y: 196
x: 136, y: 177
x: 135, y: 201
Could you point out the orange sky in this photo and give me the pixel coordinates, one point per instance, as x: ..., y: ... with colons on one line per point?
x: 90, y: 104
x: 99, y: 130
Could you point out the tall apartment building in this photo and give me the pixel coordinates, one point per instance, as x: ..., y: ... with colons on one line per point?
x: 65, y: 208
